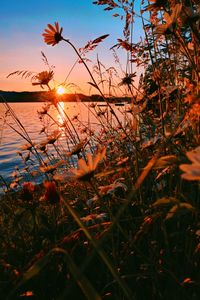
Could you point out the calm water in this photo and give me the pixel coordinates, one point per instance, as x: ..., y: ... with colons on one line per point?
x: 11, y: 142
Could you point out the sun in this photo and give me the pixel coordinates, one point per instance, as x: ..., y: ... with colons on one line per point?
x: 60, y: 90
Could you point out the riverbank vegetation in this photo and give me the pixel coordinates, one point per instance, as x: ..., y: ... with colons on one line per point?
x: 117, y: 213
x: 43, y: 96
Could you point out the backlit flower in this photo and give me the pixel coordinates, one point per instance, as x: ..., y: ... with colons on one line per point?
x: 44, y: 109
x: 87, y: 169
x: 76, y: 149
x: 53, y: 34
x: 43, y: 78
x: 27, y: 192
x: 27, y: 146
x: 192, y: 171
x: 52, y: 138
x: 51, y: 192
x: 128, y: 79
x: 42, y: 147
x: 14, y: 185
x: 48, y: 169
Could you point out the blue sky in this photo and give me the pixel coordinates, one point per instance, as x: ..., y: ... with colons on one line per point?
x: 22, y: 23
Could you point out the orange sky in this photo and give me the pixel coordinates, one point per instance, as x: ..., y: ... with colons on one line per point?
x: 22, y: 23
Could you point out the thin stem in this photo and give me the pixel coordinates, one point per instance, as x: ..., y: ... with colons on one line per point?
x: 93, y: 79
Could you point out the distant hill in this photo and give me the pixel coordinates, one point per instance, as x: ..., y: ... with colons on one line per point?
x: 43, y: 96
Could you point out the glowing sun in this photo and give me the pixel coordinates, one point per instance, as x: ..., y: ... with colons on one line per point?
x: 61, y: 90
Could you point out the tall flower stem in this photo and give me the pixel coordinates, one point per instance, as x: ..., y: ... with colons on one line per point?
x: 93, y: 79
x: 94, y: 189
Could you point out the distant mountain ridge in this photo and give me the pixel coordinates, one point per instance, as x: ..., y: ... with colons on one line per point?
x: 43, y: 96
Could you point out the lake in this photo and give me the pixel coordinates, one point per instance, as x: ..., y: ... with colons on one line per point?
x: 11, y: 141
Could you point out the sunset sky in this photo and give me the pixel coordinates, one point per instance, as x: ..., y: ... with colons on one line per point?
x: 22, y: 23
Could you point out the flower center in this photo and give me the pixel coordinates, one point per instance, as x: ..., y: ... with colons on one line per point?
x: 57, y: 37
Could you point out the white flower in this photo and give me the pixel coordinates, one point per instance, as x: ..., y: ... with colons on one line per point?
x: 87, y: 169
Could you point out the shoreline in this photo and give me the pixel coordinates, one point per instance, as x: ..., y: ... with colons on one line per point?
x: 44, y: 96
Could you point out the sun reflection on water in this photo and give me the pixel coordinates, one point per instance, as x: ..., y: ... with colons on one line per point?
x: 61, y: 114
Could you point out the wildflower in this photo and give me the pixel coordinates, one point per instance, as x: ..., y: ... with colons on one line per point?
x: 27, y: 192
x: 52, y: 138
x: 44, y: 110
x: 51, y: 168
x: 101, y: 113
x: 51, y: 193
x: 27, y: 146
x: 128, y: 79
x: 14, y: 185
x: 52, y: 34
x: 192, y: 171
x: 171, y: 21
x: 48, y: 169
x: 78, y: 148
x: 43, y: 78
x: 87, y: 169
x: 60, y: 177
x: 14, y: 174
x: 17, y: 180
x: 75, y: 117
x: 42, y: 130
x: 27, y: 157
x: 19, y: 153
x: 92, y: 105
x: 84, y: 130
x: 124, y: 44
x: 42, y: 147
